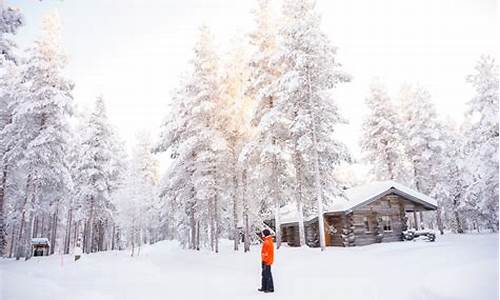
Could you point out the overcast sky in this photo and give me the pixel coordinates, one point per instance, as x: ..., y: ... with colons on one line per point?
x: 132, y: 51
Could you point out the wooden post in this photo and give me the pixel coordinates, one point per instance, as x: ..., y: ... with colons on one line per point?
x: 421, y: 218
x: 415, y: 218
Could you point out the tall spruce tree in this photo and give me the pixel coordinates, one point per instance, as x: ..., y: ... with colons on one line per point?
x: 42, y: 117
x: 310, y: 70
x: 10, y: 21
x: 381, y: 136
x: 99, y: 173
x: 482, y: 138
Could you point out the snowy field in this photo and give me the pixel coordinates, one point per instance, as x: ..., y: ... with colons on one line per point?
x: 454, y: 267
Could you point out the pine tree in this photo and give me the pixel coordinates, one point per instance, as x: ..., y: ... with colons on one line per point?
x: 483, y: 138
x: 451, y: 186
x: 381, y: 139
x: 310, y: 71
x: 271, y: 123
x: 99, y: 172
x: 136, y: 200
x: 422, y: 139
x: 42, y: 115
x: 235, y: 127
x: 10, y: 21
x: 198, y: 147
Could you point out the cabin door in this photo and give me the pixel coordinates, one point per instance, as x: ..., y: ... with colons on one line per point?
x: 328, y: 234
x: 38, y: 252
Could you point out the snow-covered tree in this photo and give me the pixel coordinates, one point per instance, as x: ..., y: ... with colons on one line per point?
x: 10, y: 21
x: 9, y: 150
x: 136, y: 201
x: 381, y: 136
x: 197, y: 146
x: 41, y: 117
x: 97, y: 174
x: 450, y: 188
x: 422, y: 140
x: 309, y: 71
x: 482, y: 138
x: 271, y: 123
x: 234, y: 124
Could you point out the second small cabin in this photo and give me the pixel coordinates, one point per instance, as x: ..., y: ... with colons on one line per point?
x: 40, y: 246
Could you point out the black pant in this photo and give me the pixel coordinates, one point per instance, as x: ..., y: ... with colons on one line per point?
x: 267, y: 278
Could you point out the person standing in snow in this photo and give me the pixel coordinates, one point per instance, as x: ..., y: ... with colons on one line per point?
x: 78, y: 250
x: 267, y: 255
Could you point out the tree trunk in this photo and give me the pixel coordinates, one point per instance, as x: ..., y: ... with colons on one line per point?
x: 12, y: 241
x: 458, y: 222
x: 67, y: 237
x: 415, y: 173
x: 20, y: 244
x: 300, y: 213
x: 277, y: 204
x: 197, y: 236
x: 90, y: 228
x: 133, y: 243
x: 3, y: 230
x: 113, y: 238
x: 421, y: 218
x: 456, y: 215
x: 439, y: 219
x: 55, y: 220
x: 211, y: 224
x: 29, y: 230
x: 194, y: 228
x: 36, y: 227
x: 236, y: 233
x: 216, y: 224
x: 317, y: 175
x: 244, y: 201
x: 319, y: 195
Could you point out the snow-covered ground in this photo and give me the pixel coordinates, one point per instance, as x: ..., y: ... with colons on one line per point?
x: 453, y: 267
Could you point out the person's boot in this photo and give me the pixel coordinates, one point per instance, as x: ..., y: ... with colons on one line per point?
x: 261, y: 290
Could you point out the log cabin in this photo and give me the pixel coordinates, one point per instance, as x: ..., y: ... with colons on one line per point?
x: 373, y: 213
x: 40, y: 246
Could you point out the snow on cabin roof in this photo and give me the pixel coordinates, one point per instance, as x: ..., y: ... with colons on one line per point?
x: 362, y: 195
x: 288, y: 214
x: 40, y: 241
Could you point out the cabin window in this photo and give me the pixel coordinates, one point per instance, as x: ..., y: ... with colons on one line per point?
x: 367, y: 224
x: 386, y: 222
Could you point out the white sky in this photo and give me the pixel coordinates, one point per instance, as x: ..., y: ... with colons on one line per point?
x: 132, y: 51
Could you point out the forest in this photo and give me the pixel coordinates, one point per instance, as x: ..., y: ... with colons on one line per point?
x: 246, y: 132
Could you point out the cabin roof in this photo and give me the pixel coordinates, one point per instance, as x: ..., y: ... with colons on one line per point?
x: 39, y: 241
x: 363, y: 195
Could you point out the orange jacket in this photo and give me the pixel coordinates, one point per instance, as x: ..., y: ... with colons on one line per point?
x: 267, y: 252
